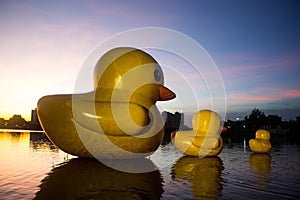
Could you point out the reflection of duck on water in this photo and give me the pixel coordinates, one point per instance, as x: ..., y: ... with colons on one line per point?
x: 261, y: 165
x: 204, y: 174
x: 90, y: 179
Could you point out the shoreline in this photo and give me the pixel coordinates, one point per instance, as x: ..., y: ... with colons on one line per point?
x: 20, y: 130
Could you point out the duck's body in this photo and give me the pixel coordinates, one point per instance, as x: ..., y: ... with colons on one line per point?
x: 204, y: 140
x: 73, y: 130
x: 116, y: 120
x: 261, y: 143
x: 191, y: 143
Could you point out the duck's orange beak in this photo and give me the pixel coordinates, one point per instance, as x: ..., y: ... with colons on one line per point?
x: 165, y: 94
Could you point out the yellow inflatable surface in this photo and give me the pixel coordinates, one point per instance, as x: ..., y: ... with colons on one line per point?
x: 119, y: 118
x: 204, y: 139
x: 261, y: 143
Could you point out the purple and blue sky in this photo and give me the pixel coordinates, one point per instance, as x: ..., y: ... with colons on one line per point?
x: 255, y: 45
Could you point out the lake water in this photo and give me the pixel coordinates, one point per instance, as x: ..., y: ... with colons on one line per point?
x: 32, y: 167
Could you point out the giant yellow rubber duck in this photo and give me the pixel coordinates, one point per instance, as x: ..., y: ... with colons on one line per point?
x: 204, y: 140
x: 119, y: 119
x: 261, y: 143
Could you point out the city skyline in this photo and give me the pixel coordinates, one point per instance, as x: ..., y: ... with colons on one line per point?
x: 187, y: 119
x: 254, y: 44
x: 32, y: 118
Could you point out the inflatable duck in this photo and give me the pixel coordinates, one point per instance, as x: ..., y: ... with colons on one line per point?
x: 119, y: 118
x: 261, y: 143
x: 204, y: 139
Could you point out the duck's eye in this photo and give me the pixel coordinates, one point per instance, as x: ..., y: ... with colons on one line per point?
x: 157, y: 75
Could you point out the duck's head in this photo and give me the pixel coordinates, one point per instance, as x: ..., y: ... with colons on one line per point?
x: 207, y: 122
x: 128, y: 71
x: 262, y: 134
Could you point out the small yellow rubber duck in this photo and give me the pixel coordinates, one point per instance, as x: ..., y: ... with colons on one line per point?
x: 261, y: 143
x: 204, y: 140
x: 119, y: 118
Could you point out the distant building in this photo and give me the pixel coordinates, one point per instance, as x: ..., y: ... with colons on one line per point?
x: 174, y: 121
x: 18, y: 122
x: 181, y: 125
x: 34, y: 117
x: 34, y: 123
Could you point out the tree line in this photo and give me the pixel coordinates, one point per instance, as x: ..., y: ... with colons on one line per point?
x: 258, y: 120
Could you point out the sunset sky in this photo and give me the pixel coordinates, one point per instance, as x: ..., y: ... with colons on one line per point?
x: 254, y: 44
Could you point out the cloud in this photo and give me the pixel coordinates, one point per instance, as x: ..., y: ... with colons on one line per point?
x: 253, y: 64
x: 292, y: 93
x: 263, y: 95
x: 246, y: 98
x: 262, y: 79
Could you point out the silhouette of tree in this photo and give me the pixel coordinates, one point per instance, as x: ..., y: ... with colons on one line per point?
x: 256, y: 114
x: 257, y: 119
x: 241, y: 129
x: 294, y: 127
x: 274, y: 121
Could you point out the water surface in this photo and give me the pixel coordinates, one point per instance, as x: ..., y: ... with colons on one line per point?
x: 32, y: 167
